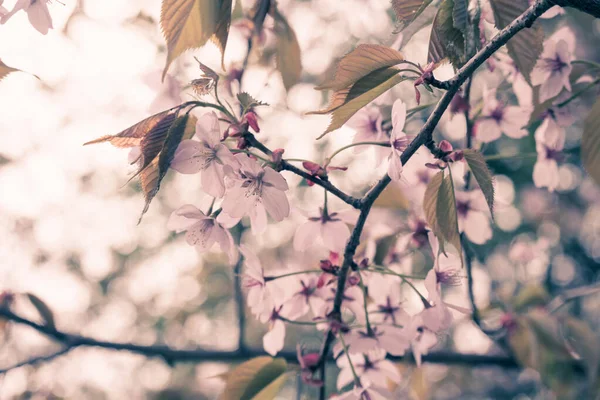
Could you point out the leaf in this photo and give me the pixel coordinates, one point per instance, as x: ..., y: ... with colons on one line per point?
x: 346, y: 102
x: 482, y: 175
x: 219, y: 37
x: 447, y: 218
x: 270, y: 391
x: 383, y: 248
x: 43, y: 309
x: 460, y: 15
x: 247, y: 101
x: 133, y: 135
x: 526, y: 46
x: 359, y: 63
x: 584, y: 342
x: 590, y: 143
x: 5, y: 70
x: 530, y: 296
x: 392, y: 197
x: 439, y: 205
x: 189, y: 24
x: 288, y: 54
x: 408, y: 10
x: 253, y: 377
x: 446, y: 41
x: 524, y: 344
x: 155, y: 169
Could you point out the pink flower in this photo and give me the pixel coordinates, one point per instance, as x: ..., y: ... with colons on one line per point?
x: 372, y: 369
x: 259, y: 298
x: 202, y: 231
x: 274, y: 339
x: 398, y: 140
x: 422, y: 339
x: 364, y: 393
x: 168, y: 93
x: 306, y: 296
x: 256, y: 191
x: 545, y: 170
x: 497, y: 118
x: 473, y: 216
x: 553, y: 68
x: 208, y: 156
x: 552, y: 12
x: 37, y: 12
x: 392, y: 339
x: 330, y: 229
x: 367, y: 124
x: 352, y: 301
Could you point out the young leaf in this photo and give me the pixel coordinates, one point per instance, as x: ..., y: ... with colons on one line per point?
x: 590, y: 143
x: 133, y: 135
x: 408, y: 10
x: 250, y: 378
x: 219, y: 37
x: 584, y: 342
x: 526, y: 46
x: 392, y: 197
x: 482, y: 175
x: 446, y: 41
x: 42, y: 308
x: 460, y: 15
x: 359, y: 63
x: 430, y: 203
x: 5, y: 70
x: 288, y: 56
x: 346, y: 102
x: 189, y: 24
x: 447, y: 219
x: 247, y: 101
x: 155, y: 170
x: 270, y: 391
x: 383, y: 248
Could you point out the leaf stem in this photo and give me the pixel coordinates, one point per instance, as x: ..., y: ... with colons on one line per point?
x: 579, y: 93
x: 356, y: 378
x: 338, y: 151
x: 310, y: 271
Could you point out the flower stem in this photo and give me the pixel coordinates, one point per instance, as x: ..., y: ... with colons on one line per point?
x: 592, y: 64
x: 579, y: 93
x: 251, y: 154
x: 364, y: 290
x: 356, y: 378
x: 496, y: 157
x: 390, y: 272
x: 335, y: 153
x: 310, y: 271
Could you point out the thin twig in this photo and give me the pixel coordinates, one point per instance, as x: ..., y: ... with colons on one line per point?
x: 36, y: 360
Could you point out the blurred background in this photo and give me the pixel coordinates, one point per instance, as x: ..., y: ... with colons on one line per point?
x: 68, y: 219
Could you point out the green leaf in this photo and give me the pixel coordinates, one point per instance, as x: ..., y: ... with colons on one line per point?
x: 446, y: 41
x: 583, y: 341
x: 430, y: 203
x: 346, y: 102
x: 524, y: 345
x: 590, y: 143
x: 247, y: 101
x: 447, y: 218
x: 460, y: 15
x: 482, y: 175
x: 43, y: 309
x: 255, y: 379
x: 392, y: 197
x: 383, y: 248
x: 361, y: 62
x: 526, y: 46
x: 408, y: 10
x: 189, y: 24
x: 288, y: 54
x: 530, y: 296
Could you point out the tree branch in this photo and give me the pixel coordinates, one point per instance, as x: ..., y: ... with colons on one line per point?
x: 424, y: 138
x: 172, y: 356
x: 323, y: 182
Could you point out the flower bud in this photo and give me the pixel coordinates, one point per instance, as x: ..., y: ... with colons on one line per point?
x: 445, y: 146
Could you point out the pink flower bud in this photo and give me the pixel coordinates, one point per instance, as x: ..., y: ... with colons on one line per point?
x: 277, y: 155
x: 252, y: 119
x: 445, y: 146
x: 353, y: 280
x: 457, y: 156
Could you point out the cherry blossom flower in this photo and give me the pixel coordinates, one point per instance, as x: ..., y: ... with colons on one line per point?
x: 364, y: 393
x: 367, y: 123
x: 371, y: 368
x: 497, y: 117
x: 392, y: 339
x: 255, y: 191
x: 202, y: 231
x: 260, y: 300
x: 398, y: 140
x: 168, y: 93
x: 330, y: 229
x: 274, y: 339
x: 352, y: 300
x: 553, y: 68
x: 306, y: 296
x: 37, y: 12
x: 473, y: 216
x: 208, y: 156
x: 545, y: 170
x: 422, y: 339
